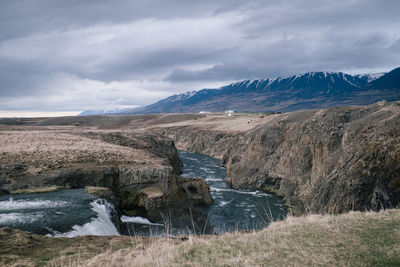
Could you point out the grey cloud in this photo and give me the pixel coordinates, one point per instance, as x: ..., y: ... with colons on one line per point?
x: 136, y: 66
x: 110, y: 47
x: 295, y: 56
x: 21, y: 78
x: 294, y: 41
x: 24, y: 17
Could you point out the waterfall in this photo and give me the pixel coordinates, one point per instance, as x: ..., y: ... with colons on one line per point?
x: 101, y: 225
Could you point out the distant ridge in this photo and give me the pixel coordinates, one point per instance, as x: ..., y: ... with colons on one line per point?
x: 312, y: 90
x: 105, y: 111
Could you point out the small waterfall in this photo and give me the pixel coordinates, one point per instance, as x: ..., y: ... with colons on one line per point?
x: 102, y: 225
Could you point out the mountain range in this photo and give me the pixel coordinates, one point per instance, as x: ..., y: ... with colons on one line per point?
x: 312, y: 90
x: 108, y: 111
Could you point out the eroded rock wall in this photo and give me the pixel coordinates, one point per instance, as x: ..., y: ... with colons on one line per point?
x: 323, y: 161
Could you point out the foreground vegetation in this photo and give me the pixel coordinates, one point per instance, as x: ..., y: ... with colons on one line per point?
x: 353, y: 239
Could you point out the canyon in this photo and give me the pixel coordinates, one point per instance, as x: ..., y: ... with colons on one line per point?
x: 320, y: 161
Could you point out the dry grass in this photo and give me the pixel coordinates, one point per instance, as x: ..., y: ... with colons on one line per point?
x: 353, y: 239
x: 18, y: 248
x: 52, y: 147
x: 239, y: 122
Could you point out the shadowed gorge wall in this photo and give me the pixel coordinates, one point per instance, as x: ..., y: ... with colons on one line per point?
x: 332, y: 160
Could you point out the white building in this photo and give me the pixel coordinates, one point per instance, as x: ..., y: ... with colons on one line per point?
x: 229, y: 112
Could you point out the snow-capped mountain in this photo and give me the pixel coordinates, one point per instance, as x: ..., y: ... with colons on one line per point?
x: 371, y: 77
x: 303, y: 91
x: 311, y: 90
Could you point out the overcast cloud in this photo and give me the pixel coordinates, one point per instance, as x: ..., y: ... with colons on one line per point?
x: 85, y: 54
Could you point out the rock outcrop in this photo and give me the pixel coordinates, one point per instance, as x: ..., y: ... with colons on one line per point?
x: 321, y: 161
x: 138, y: 172
x: 196, y: 191
x: 102, y: 192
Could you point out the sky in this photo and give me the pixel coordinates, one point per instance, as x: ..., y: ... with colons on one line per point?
x: 60, y: 57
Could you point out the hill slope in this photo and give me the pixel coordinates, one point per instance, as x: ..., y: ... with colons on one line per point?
x: 311, y: 90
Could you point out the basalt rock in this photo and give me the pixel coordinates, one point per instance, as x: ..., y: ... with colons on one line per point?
x: 101, y: 192
x: 321, y: 161
x: 196, y: 190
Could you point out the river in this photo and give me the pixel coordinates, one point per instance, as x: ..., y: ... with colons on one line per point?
x: 73, y: 212
x: 232, y: 209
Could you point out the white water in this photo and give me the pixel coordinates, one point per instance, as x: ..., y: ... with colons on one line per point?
x: 102, y: 225
x: 232, y: 209
x: 139, y: 220
x: 254, y: 193
x: 32, y: 204
x: 15, y: 217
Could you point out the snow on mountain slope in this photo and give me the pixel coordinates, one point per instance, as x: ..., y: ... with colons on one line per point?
x: 302, y: 91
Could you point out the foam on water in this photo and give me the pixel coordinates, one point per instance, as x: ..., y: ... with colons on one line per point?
x: 101, y: 225
x: 254, y: 193
x: 20, y: 218
x: 32, y: 204
x: 232, y: 209
x: 139, y: 220
x: 192, y: 159
x: 223, y: 203
x: 212, y: 179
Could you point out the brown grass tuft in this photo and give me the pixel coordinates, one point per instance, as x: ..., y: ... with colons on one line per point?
x: 353, y: 239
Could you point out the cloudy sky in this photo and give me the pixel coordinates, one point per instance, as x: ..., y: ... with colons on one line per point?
x: 72, y: 55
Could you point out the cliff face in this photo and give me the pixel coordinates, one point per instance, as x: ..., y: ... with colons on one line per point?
x: 332, y: 160
x: 142, y: 170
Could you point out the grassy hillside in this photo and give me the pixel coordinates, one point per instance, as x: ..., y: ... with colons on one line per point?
x: 353, y: 239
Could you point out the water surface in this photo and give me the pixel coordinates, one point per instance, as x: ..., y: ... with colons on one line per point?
x: 68, y: 212
x: 73, y: 212
x: 232, y: 209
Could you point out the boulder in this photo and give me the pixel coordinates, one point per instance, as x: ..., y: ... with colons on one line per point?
x: 196, y: 190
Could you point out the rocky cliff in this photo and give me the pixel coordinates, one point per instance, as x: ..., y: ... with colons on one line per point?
x: 322, y: 161
x: 141, y: 170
